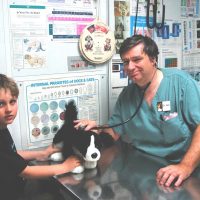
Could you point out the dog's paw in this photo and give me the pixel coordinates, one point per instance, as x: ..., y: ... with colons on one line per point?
x: 56, y: 157
x: 78, y: 170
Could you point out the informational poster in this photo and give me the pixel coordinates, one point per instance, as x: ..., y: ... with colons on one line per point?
x: 190, y: 8
x: 122, y: 21
x: 29, y: 50
x: 141, y: 27
x: 118, y: 76
x: 77, y: 63
x: 68, y: 24
x: 170, y: 35
x: 27, y: 16
x: 191, y: 61
x: 28, y: 36
x: 46, y: 100
x: 170, y: 57
x: 126, y: 23
x: 191, y: 35
x: 192, y: 65
x: 169, y: 41
x: 68, y: 21
x: 118, y: 80
x: 191, y: 47
x: 140, y: 24
x: 35, y: 27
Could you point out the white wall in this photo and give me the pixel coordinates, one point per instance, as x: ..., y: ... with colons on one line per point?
x: 173, y: 9
x: 2, y: 42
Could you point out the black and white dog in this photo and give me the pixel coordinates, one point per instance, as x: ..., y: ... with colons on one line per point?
x: 87, y: 144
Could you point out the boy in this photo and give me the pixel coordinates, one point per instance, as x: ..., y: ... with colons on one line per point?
x: 14, y: 168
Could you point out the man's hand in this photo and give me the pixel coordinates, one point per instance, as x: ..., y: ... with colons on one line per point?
x: 175, y: 174
x: 84, y: 124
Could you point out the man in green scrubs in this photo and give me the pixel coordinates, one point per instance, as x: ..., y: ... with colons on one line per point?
x: 167, y: 123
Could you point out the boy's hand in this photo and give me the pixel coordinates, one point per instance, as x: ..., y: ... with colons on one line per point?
x: 71, y: 163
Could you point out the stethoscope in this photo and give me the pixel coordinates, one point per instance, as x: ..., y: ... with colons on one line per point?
x: 131, y: 117
x: 154, y: 23
x: 136, y: 111
x: 100, y: 127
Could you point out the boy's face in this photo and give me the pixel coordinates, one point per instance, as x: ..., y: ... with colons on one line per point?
x: 8, y: 108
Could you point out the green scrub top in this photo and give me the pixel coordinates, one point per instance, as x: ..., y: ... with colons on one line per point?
x: 165, y: 128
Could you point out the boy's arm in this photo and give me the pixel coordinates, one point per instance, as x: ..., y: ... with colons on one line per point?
x: 50, y: 170
x: 38, y: 154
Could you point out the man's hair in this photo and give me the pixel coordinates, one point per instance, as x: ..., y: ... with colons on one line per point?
x: 150, y: 47
x: 7, y: 83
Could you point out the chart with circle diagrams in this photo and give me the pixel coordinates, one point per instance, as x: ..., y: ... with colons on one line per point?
x: 46, y: 117
x: 45, y: 108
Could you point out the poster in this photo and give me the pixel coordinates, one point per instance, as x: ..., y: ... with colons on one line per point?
x: 45, y: 104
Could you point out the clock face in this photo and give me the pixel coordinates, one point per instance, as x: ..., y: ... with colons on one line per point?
x: 97, y: 43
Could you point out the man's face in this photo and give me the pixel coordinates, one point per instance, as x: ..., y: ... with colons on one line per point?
x: 138, y: 66
x: 8, y: 108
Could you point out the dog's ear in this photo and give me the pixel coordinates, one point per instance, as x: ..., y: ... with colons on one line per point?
x: 70, y: 113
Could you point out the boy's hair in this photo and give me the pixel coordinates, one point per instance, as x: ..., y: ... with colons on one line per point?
x: 150, y: 47
x: 7, y: 83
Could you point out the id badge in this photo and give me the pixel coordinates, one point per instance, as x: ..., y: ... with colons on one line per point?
x: 163, y: 106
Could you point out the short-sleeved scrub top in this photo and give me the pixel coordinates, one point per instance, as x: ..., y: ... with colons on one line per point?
x: 165, y: 128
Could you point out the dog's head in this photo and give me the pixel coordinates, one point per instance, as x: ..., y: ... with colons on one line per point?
x: 89, y: 148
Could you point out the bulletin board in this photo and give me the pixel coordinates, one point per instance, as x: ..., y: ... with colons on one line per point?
x: 39, y: 30
x: 40, y: 40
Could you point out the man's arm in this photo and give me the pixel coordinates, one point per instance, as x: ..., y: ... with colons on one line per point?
x: 90, y: 125
x: 111, y: 132
x: 181, y: 171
